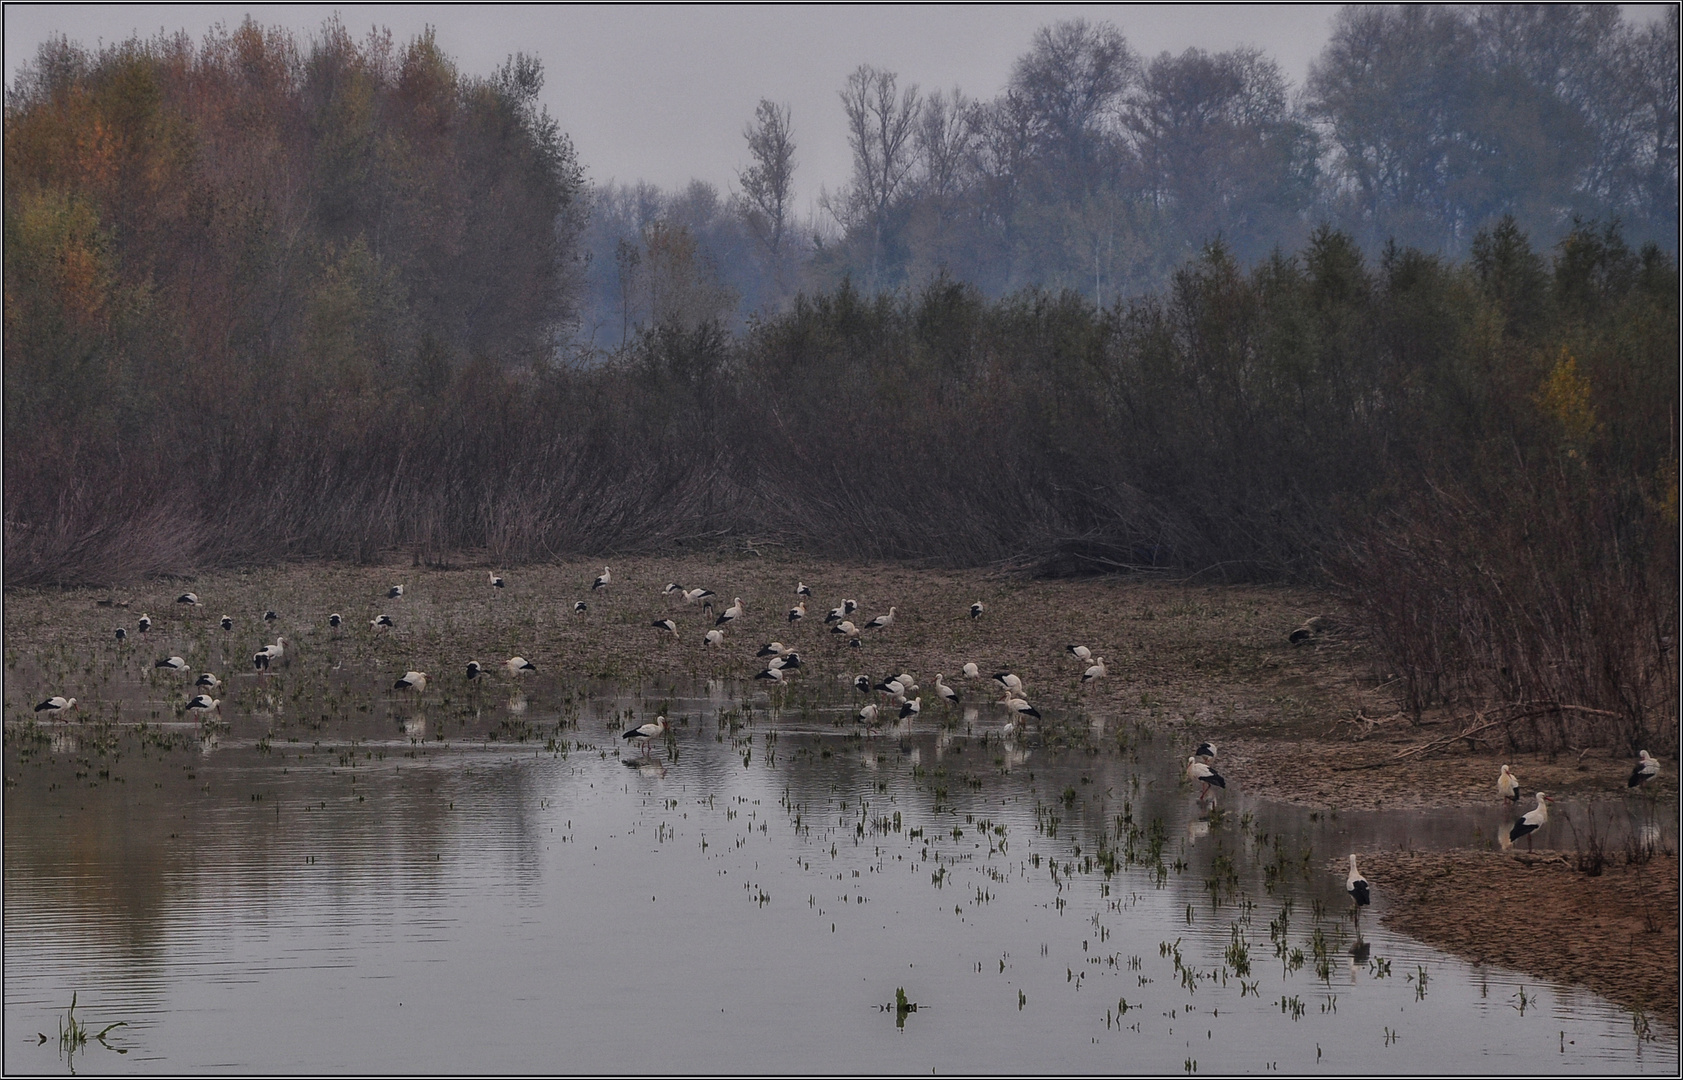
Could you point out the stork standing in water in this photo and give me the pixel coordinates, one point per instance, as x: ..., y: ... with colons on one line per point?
x: 56, y: 704
x: 1647, y: 767
x: 208, y: 681
x: 645, y: 732
x: 1508, y: 784
x: 1532, y: 821
x: 1203, y: 774
x: 519, y: 665
x: 868, y: 716
x: 203, y: 703
x: 948, y: 694
x: 1357, y: 887
x: 412, y: 680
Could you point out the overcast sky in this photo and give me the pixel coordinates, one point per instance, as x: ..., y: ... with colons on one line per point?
x: 662, y: 93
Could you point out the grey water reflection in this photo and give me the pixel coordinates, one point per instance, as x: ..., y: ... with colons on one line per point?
x: 491, y: 881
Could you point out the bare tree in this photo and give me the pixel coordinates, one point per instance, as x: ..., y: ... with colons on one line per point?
x: 768, y: 184
x: 880, y: 127
x: 1071, y: 80
x: 946, y: 131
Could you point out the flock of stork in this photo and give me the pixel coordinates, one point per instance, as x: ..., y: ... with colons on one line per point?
x: 900, y: 692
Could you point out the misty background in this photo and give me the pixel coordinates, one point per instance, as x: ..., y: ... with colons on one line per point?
x: 1404, y: 326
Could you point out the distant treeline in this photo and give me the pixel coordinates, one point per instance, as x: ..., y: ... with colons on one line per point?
x: 266, y: 301
x: 1100, y: 170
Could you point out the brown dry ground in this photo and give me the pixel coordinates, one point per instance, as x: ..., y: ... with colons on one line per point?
x: 1616, y: 933
x: 1196, y: 660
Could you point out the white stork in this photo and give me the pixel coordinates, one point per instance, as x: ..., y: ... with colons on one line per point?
x: 835, y: 616
x: 713, y: 637
x: 173, y: 663
x: 905, y: 679
x: 667, y: 625
x: 268, y: 654
x: 732, y: 612
x: 948, y: 694
x: 412, y: 680
x: 771, y: 674
x: 1647, y: 767
x: 145, y: 623
x: 1080, y: 652
x: 894, y: 688
x: 208, y: 681
x: 976, y: 610
x: 381, y: 622
x: 971, y: 671
x: 1010, y: 682
x: 1203, y: 774
x: 881, y: 622
x: 845, y: 627
x: 1095, y: 672
x: 695, y: 595
x: 1532, y: 821
x: 227, y: 622
x: 868, y: 715
x: 798, y: 612
x: 849, y: 606
x: 122, y: 635
x: 203, y: 703
x: 645, y: 732
x: 519, y: 665
x: 496, y: 580
x: 1357, y: 887
x: 910, y: 709
x: 395, y: 593
x: 603, y: 580
x: 474, y: 671
x: 772, y: 648
x: 270, y: 616
x: 801, y: 589
x: 789, y: 661
x: 1508, y: 784
x: 672, y: 587
x: 191, y: 599
x: 580, y: 607
x: 335, y: 620
x: 1020, y: 706
x: 56, y: 704
x: 1206, y: 751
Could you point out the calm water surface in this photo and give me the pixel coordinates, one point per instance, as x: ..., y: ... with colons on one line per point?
x: 339, y: 879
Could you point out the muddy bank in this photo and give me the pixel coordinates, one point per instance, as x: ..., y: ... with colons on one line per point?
x: 1616, y: 933
x: 1211, y: 661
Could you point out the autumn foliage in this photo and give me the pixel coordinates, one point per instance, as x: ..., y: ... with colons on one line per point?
x: 266, y: 300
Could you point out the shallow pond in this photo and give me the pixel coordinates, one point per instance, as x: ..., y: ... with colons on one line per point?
x: 339, y: 878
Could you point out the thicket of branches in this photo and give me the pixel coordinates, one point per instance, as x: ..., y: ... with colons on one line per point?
x: 267, y: 301
x: 1101, y: 170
